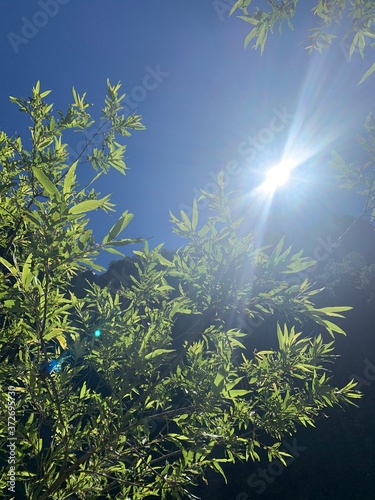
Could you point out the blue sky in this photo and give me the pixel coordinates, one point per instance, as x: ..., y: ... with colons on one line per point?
x: 208, y: 104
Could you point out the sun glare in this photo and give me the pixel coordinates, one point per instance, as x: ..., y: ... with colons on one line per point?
x: 277, y: 176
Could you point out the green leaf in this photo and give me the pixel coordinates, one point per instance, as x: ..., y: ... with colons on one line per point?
x: 333, y: 311
x: 219, y: 378
x: 299, y: 266
x: 185, y: 219
x: 304, y: 367
x: 331, y: 327
x: 353, y: 45
x: 163, y: 261
x: 27, y: 275
x: 126, y: 241
x: 367, y: 74
x: 45, y: 93
x: 158, y: 352
x: 217, y: 466
x: 282, y: 337
x: 39, y: 445
x: 113, y: 251
x: 120, y: 225
x: 70, y: 178
x: 61, y: 339
x: 236, y: 393
x: 9, y: 266
x: 83, y: 390
x: 48, y: 185
x: 194, y: 220
x: 235, y: 7
x: 87, y: 206
x: 33, y: 217
x: 361, y: 45
x: 249, y: 37
x: 250, y: 20
x: 276, y: 252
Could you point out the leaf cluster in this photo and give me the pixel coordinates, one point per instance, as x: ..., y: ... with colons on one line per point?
x: 359, y: 176
x: 360, y: 12
x: 109, y: 403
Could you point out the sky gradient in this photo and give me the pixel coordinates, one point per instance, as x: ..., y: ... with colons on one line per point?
x: 207, y: 103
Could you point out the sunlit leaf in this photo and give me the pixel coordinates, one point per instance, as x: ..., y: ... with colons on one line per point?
x: 48, y: 185
x: 87, y: 206
x: 120, y: 225
x: 158, y: 352
x: 367, y: 74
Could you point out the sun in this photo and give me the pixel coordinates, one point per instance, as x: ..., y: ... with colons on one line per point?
x: 277, y: 176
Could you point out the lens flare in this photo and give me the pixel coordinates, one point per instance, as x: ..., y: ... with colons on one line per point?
x: 277, y: 176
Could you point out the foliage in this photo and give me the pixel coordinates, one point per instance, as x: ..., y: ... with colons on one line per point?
x: 352, y: 273
x: 358, y: 176
x: 110, y: 403
x: 360, y: 12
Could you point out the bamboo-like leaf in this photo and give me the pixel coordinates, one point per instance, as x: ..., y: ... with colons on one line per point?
x: 83, y: 390
x: 113, y: 251
x: 158, y: 352
x: 333, y: 311
x: 250, y: 20
x: 87, y: 206
x: 126, y: 241
x: 163, y: 261
x: 216, y: 465
x: 39, y: 445
x: 264, y: 353
x: 367, y: 74
x: 9, y: 266
x: 48, y: 185
x: 33, y: 217
x: 361, y: 45
x: 61, y: 339
x: 249, y: 37
x: 331, y: 327
x: 353, y: 45
x: 185, y: 219
x: 27, y: 275
x: 219, y: 378
x: 304, y: 367
x: 45, y: 93
x: 70, y: 178
x: 235, y: 7
x: 297, y: 267
x: 120, y: 225
x: 236, y: 393
x: 194, y: 220
x: 280, y: 336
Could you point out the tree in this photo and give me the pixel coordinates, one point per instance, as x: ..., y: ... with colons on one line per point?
x: 360, y: 12
x: 109, y: 402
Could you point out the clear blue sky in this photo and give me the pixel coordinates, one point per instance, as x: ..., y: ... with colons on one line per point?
x: 210, y: 103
